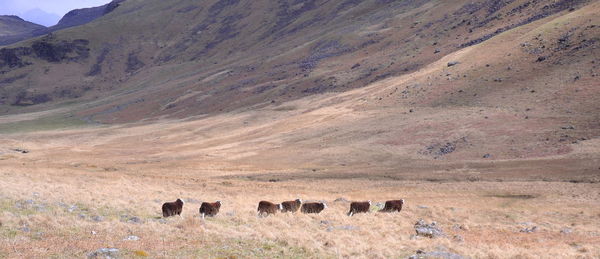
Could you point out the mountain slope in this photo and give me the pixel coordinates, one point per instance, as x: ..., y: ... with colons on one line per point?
x: 523, y: 87
x: 71, y: 19
x: 12, y: 27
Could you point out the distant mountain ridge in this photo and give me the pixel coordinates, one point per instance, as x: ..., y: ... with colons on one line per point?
x: 14, y: 29
x: 11, y: 25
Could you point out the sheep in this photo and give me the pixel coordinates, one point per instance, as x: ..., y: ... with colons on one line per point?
x: 359, y: 207
x: 209, y: 209
x: 393, y: 205
x: 266, y: 208
x: 172, y: 208
x: 291, y: 206
x: 313, y: 207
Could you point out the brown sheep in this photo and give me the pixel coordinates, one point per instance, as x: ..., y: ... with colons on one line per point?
x: 359, y: 207
x: 313, y: 207
x: 291, y: 206
x: 393, y: 205
x: 210, y: 209
x: 172, y: 208
x: 266, y: 208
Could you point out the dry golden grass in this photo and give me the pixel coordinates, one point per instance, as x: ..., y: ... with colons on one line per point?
x: 490, y: 213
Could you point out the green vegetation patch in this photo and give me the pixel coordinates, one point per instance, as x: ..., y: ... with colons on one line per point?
x: 42, y: 124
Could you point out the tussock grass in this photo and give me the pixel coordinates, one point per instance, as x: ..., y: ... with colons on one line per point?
x: 489, y: 224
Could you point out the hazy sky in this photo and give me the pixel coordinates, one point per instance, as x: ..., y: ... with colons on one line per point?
x: 54, y: 9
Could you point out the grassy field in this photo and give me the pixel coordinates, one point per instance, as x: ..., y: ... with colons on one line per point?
x: 69, y: 211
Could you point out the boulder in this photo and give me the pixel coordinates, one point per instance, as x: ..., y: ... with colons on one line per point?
x: 428, y: 230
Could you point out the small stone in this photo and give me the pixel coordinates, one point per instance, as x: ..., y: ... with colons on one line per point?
x: 131, y: 238
x: 98, y: 218
x: 104, y: 253
x: 420, y: 254
x: 453, y: 63
x: 134, y: 220
x: 566, y: 231
x: 487, y: 156
x: 341, y: 199
x: 529, y: 230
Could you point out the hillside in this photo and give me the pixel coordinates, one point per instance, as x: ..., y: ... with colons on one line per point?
x: 12, y: 27
x: 18, y: 30
x: 232, y: 56
x: 483, y: 115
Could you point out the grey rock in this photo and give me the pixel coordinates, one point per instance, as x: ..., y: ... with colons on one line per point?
x: 135, y: 220
x: 98, y: 218
x: 435, y: 255
x: 422, y: 207
x: 347, y: 227
x: 105, y: 253
x: 453, y: 63
x: 132, y: 238
x: 566, y: 231
x: 428, y: 230
x: 529, y: 230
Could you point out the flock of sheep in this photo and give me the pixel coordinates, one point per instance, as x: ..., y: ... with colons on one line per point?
x: 266, y: 208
